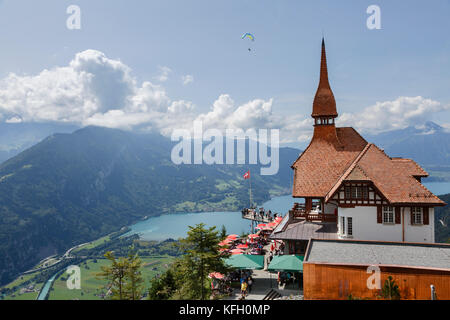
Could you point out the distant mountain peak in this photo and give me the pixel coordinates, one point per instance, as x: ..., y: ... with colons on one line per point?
x: 429, y: 127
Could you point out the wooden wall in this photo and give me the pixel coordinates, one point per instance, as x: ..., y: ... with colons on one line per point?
x: 337, y: 282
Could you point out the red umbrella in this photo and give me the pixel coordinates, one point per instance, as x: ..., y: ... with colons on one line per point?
x: 242, y: 246
x: 266, y: 227
x: 261, y: 226
x: 252, y: 236
x: 225, y: 242
x: 237, y: 251
x: 232, y: 236
x: 216, y: 275
x: 278, y: 219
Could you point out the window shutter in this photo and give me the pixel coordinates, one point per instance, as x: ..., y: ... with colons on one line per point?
x: 426, y: 216
x: 397, y: 216
x: 379, y: 214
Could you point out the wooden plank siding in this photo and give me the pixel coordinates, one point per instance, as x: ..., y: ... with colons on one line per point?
x: 337, y: 282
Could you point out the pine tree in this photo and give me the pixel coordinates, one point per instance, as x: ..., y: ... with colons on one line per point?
x: 115, y: 275
x: 124, y: 276
x: 223, y: 233
x: 134, y: 278
x: 162, y: 288
x: 202, y: 257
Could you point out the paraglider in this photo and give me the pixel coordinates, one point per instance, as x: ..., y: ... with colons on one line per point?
x: 250, y: 37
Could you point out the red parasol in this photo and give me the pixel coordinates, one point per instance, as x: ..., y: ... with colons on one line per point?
x: 237, y: 251
x: 216, y: 275
x: 225, y: 242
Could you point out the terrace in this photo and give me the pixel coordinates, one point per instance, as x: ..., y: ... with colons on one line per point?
x: 300, y: 212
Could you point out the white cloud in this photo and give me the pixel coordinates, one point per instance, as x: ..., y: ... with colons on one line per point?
x: 96, y: 90
x: 255, y: 114
x: 91, y: 90
x: 14, y: 120
x: 187, y: 79
x: 391, y: 115
x: 446, y: 127
x: 163, y: 74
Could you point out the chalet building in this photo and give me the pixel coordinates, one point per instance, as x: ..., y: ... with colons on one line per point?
x: 351, y: 189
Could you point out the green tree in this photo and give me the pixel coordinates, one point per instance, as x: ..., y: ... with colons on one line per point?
x: 162, y: 288
x: 223, y: 233
x: 134, y: 278
x: 201, y: 257
x: 124, y: 276
x: 390, y: 289
x: 115, y: 275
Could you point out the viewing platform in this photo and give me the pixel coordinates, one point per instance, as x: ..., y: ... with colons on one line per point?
x: 255, y: 215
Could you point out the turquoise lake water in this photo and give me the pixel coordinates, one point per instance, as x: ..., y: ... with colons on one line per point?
x: 176, y: 225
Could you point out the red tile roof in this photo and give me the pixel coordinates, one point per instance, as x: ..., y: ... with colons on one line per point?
x: 394, y: 178
x: 325, y: 160
x: 410, y: 166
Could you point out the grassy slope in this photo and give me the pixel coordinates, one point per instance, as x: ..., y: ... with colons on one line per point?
x: 92, y: 287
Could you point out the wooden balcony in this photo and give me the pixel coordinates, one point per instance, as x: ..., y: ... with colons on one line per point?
x: 299, y: 212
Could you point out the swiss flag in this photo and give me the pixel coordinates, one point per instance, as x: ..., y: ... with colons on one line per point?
x: 247, y: 175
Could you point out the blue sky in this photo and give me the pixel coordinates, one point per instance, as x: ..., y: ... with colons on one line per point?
x: 408, y: 57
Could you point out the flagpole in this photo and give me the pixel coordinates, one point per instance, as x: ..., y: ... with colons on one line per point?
x: 250, y: 183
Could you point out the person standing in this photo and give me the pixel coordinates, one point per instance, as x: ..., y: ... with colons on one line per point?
x: 244, y: 288
x: 250, y: 283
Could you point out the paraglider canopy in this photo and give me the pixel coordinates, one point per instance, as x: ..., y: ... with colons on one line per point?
x: 249, y: 36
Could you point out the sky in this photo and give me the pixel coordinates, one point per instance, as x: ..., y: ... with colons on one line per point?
x: 160, y: 65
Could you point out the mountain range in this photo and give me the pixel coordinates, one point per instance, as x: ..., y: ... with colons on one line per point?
x: 428, y: 145
x: 17, y: 137
x: 76, y: 186
x: 73, y: 188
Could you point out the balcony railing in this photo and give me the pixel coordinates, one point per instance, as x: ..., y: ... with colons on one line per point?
x: 299, y: 212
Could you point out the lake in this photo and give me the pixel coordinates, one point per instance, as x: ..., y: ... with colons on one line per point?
x: 176, y: 225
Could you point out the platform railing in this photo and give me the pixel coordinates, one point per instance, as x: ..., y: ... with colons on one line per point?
x: 299, y: 212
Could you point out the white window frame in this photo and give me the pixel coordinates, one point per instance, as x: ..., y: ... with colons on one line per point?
x: 417, y: 216
x: 388, y: 215
x: 342, y: 228
x: 349, y: 226
x: 355, y: 192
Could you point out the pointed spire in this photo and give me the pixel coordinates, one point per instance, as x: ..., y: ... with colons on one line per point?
x: 324, y: 103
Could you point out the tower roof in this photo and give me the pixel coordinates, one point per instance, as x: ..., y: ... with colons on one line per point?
x: 324, y: 103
